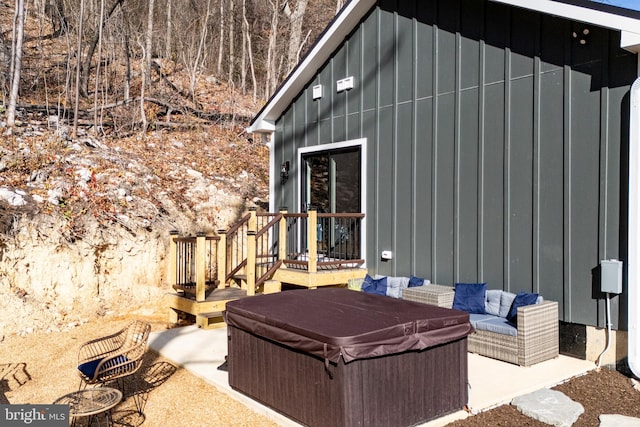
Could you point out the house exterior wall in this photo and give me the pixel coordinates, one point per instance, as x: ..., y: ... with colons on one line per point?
x: 496, y: 145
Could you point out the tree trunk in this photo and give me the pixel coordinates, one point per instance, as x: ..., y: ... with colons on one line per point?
x: 272, y: 69
x: 253, y: 70
x: 17, y: 63
x: 78, y: 66
x: 127, y: 59
x: 95, y: 98
x: 296, y: 19
x: 146, y: 69
x: 232, y: 50
x: 167, y: 48
x: 86, y: 68
x: 197, y: 62
x: 221, y: 41
x: 243, y: 60
x: 5, y: 64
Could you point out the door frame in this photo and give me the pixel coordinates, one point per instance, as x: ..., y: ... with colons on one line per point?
x: 360, y: 143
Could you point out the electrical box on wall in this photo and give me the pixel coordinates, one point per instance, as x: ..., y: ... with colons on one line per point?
x: 611, y: 276
x: 344, y: 84
x: 317, y: 92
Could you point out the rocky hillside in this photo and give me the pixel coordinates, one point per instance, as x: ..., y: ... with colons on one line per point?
x: 85, y: 215
x: 84, y: 222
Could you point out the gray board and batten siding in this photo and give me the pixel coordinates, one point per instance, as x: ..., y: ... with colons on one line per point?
x: 496, y: 145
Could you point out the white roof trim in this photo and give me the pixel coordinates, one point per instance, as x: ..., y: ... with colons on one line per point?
x: 353, y: 12
x: 625, y: 24
x: 342, y: 25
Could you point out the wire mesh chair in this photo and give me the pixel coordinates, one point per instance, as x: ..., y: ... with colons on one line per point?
x: 113, y: 357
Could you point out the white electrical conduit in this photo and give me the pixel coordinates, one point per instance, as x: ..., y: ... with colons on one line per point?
x: 608, y: 331
x: 633, y: 261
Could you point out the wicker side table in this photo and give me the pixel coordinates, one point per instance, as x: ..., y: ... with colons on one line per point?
x: 439, y: 295
x: 91, y: 402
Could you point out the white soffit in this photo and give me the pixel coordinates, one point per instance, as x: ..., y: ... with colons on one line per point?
x: 625, y: 24
x: 353, y: 12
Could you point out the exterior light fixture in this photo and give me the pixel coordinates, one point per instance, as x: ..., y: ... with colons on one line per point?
x: 284, y: 172
x: 581, y: 35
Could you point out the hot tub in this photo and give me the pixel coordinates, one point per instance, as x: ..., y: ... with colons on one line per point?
x: 335, y: 357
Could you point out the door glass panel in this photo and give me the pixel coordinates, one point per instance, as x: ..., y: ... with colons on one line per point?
x: 333, y: 185
x: 333, y: 181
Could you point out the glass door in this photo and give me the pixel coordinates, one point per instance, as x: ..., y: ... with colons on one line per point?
x: 332, y: 184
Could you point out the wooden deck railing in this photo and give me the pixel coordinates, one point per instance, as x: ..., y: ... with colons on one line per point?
x: 193, y: 264
x: 260, y: 243
x: 323, y: 241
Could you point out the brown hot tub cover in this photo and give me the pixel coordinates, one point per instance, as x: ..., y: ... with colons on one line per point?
x: 334, y: 322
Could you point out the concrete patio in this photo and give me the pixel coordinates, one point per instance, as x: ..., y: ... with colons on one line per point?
x: 201, y: 351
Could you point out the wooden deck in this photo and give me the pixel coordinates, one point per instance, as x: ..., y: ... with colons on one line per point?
x: 318, y: 279
x: 208, y: 313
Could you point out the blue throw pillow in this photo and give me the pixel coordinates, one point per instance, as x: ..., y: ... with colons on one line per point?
x: 522, y: 299
x: 375, y: 286
x: 469, y: 297
x: 89, y: 368
x: 415, y: 281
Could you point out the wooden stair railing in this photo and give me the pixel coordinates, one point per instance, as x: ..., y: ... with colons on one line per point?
x: 253, y: 249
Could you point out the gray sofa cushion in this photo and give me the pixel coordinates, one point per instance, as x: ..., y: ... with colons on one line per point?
x: 499, y: 325
x: 474, y: 319
x: 492, y: 302
x: 506, y: 300
x: 395, y: 285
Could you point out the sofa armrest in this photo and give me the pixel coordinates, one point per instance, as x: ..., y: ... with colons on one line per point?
x: 537, y: 332
x: 439, y: 295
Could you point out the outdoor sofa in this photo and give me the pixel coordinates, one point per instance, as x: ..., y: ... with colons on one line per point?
x: 526, y: 337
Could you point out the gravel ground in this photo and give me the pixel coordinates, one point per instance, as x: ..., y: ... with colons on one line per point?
x: 40, y: 367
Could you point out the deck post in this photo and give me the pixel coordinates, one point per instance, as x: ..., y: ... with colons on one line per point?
x: 173, y: 258
x: 253, y: 220
x: 200, y: 265
x: 172, y: 278
x: 282, y: 237
x: 312, y: 235
x: 251, y: 262
x: 222, y: 259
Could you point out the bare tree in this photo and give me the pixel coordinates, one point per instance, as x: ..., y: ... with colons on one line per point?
x: 86, y: 67
x: 232, y: 49
x: 78, y: 63
x: 221, y: 40
x: 5, y: 61
x: 16, y: 61
x: 254, y: 43
x: 194, y: 63
x: 54, y: 10
x: 243, y: 55
x: 95, y: 97
x: 167, y: 48
x: 254, y: 83
x: 271, y: 77
x: 296, y: 18
x: 146, y: 69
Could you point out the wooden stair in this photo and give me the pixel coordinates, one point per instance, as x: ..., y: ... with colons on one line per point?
x: 210, y: 320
